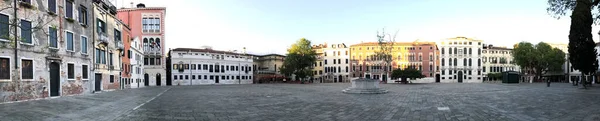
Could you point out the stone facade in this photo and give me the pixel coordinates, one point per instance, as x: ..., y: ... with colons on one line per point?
x: 460, y: 60
x: 108, y: 46
x: 207, y: 66
x: 53, y: 52
x: 148, y: 23
x: 267, y: 67
x: 497, y: 60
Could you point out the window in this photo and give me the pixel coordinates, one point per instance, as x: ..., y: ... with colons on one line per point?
x: 110, y: 57
x: 26, y: 32
x: 69, y: 9
x: 145, y: 61
x: 52, y: 6
x: 112, y: 78
x: 101, y: 26
x: 158, y: 61
x: 464, y: 62
x: 180, y: 76
x: 483, y: 68
x: 83, y: 15
x: 346, y: 61
x: 84, y: 71
x: 325, y: 62
x: 117, y: 35
x: 84, y: 43
x: 205, y: 77
x: 479, y: 62
x: 470, y: 61
x: 53, y: 39
x: 346, y: 68
x: 186, y: 77
x: 333, y: 61
x: 69, y: 39
x: 443, y: 62
x: 70, y: 71
x: 193, y: 76
x: 27, y: 69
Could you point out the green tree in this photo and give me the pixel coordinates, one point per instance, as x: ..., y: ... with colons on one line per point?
x: 582, y: 54
x: 299, y: 60
x: 407, y: 73
x: 541, y: 58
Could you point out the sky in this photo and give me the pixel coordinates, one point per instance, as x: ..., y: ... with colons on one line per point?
x: 271, y: 26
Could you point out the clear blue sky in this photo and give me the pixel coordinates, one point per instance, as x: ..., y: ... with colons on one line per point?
x: 270, y: 26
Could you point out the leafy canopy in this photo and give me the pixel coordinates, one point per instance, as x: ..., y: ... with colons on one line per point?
x: 299, y: 59
x: 541, y: 58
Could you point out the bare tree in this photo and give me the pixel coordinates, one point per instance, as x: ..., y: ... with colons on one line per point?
x: 384, y: 54
x: 38, y: 19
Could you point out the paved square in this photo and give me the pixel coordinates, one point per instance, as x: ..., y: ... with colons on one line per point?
x: 292, y: 102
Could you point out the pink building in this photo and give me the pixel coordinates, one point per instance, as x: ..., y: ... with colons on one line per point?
x: 147, y: 24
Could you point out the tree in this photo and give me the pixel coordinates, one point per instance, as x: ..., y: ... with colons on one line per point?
x: 582, y: 54
x: 404, y: 74
x: 559, y: 8
x: 384, y: 54
x: 541, y: 58
x: 299, y: 60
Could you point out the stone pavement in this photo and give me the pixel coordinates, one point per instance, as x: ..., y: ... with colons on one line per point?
x: 292, y: 102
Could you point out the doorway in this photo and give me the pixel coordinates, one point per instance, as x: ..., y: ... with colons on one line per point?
x: 437, y: 78
x: 158, y: 79
x: 146, y: 80
x: 384, y: 78
x: 217, y: 79
x: 460, y: 77
x: 54, y: 79
x: 340, y: 78
x: 98, y: 82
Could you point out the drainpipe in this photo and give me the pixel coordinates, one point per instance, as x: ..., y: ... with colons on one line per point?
x: 15, y: 34
x: 93, y: 61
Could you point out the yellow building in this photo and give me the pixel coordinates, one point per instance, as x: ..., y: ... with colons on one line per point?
x: 318, y: 65
x: 418, y: 55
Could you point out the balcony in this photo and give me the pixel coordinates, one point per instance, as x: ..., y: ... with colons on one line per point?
x: 153, y: 52
x: 103, y: 38
x: 119, y: 45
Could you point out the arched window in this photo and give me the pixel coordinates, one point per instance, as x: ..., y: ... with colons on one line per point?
x: 470, y: 50
x: 157, y: 41
x: 464, y: 62
x: 443, y: 50
x: 470, y: 61
x: 151, y: 40
x: 455, y: 50
x: 455, y: 61
x: 443, y: 61
x: 479, y: 62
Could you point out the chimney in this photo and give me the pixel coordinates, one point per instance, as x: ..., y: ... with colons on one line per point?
x: 141, y: 5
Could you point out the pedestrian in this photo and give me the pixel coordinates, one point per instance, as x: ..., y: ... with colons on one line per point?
x: 548, y: 81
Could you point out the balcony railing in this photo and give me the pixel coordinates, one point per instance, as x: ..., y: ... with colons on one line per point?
x: 153, y: 51
x: 119, y: 45
x: 103, y: 38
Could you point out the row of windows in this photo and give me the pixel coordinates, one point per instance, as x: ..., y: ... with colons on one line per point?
x: 152, y: 61
x: 26, y: 35
x: 101, y: 57
x: 465, y: 62
x: 457, y: 51
x: 335, y: 61
x: 409, y: 56
x: 450, y: 72
x: 150, y: 24
x: 211, y: 77
x: 396, y: 48
x: 461, y: 43
x: 27, y: 69
x: 211, y: 68
x: 478, y: 78
x: 336, y: 52
x: 334, y: 69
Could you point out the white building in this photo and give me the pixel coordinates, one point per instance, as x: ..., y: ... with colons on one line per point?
x: 335, y: 63
x: 570, y: 73
x: 460, y: 60
x: 497, y: 60
x: 207, y: 66
x: 137, y: 66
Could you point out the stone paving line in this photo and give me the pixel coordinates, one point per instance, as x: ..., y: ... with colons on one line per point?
x: 322, y: 102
